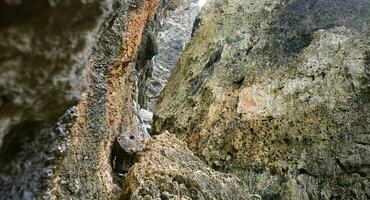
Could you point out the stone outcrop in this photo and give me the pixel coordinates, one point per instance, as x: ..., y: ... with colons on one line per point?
x: 277, y: 93
x: 90, y: 168
x: 58, y: 54
x: 171, y: 38
x: 162, y: 44
x: 167, y: 169
x: 269, y: 100
x: 61, y: 53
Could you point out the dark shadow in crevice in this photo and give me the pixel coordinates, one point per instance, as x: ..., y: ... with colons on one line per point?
x: 122, y: 157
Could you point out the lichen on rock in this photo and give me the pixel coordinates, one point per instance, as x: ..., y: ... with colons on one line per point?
x: 166, y: 169
x: 266, y: 99
x: 285, y: 104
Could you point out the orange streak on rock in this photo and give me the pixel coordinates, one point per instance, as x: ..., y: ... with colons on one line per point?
x: 120, y: 85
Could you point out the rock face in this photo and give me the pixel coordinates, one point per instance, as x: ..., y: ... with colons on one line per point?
x: 45, y: 46
x: 169, y: 40
x: 50, y: 48
x: 162, y: 43
x: 108, y: 113
x: 278, y: 94
x: 167, y: 169
x: 56, y: 54
x: 269, y: 100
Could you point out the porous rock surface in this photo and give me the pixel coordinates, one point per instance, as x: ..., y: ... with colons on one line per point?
x: 277, y: 93
x: 167, y: 169
x: 92, y: 166
x: 270, y: 99
x: 56, y: 54
x: 45, y: 47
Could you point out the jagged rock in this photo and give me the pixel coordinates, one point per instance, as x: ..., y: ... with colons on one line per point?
x: 166, y: 169
x: 284, y: 104
x: 108, y: 113
x: 123, y: 151
x: 270, y: 100
x: 169, y: 37
x: 45, y: 46
x: 146, y: 115
x: 49, y: 48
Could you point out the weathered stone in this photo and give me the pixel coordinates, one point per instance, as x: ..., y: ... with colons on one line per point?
x: 270, y: 99
x: 286, y: 100
x: 55, y: 39
x: 169, y: 38
x: 92, y: 163
x: 123, y: 151
x: 166, y: 169
x: 45, y: 47
x: 146, y: 115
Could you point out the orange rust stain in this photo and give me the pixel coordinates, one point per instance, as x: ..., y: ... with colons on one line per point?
x: 118, y: 90
x: 120, y: 85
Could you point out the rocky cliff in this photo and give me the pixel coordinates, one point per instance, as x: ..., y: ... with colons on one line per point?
x: 277, y: 93
x: 87, y: 54
x: 262, y: 99
x: 45, y: 46
x: 56, y: 54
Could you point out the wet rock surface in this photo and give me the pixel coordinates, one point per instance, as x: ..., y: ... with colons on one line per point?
x: 283, y: 105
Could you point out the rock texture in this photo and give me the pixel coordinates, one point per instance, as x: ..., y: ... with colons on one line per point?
x: 45, y: 46
x: 90, y: 168
x: 269, y: 100
x: 60, y: 53
x: 167, y: 169
x: 163, y: 41
x: 52, y: 51
x: 169, y: 39
x: 277, y: 93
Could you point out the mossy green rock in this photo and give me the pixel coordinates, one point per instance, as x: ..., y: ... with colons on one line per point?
x: 278, y: 93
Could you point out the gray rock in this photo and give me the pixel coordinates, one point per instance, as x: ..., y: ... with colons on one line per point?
x: 146, y: 115
x: 173, y: 34
x: 123, y: 151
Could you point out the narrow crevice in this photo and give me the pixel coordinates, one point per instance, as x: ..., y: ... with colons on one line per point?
x: 124, y: 149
